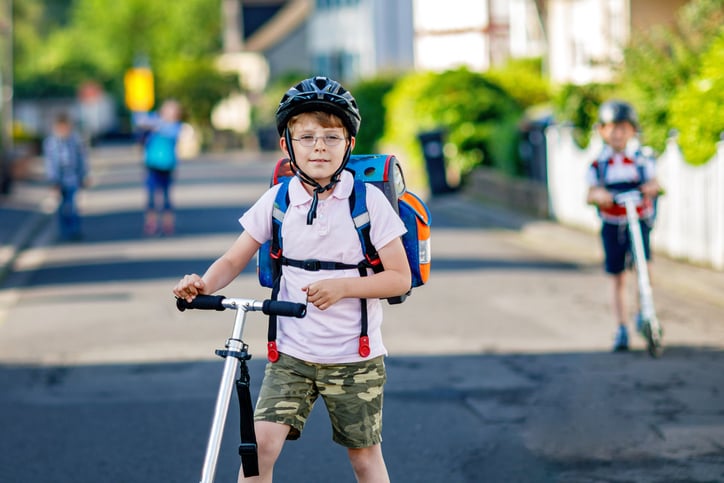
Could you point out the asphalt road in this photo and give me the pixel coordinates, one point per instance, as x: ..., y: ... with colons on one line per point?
x: 499, y: 368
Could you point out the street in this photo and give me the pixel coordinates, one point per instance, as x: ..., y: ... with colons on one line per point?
x: 499, y: 369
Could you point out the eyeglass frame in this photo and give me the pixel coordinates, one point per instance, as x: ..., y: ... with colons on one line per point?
x: 304, y: 140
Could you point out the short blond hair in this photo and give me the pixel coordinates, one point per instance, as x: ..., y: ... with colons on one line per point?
x: 325, y: 119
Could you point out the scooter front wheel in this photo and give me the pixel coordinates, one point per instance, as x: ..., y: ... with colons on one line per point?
x: 653, y: 340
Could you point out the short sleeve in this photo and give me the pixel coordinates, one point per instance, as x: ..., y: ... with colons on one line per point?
x: 591, y: 175
x: 257, y: 220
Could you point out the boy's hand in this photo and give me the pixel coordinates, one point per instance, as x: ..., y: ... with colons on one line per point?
x: 324, y: 293
x: 189, y: 287
x: 601, y: 197
x: 651, y: 189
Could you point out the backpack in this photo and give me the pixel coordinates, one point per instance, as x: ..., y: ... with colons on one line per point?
x: 160, y: 147
x: 160, y: 152
x: 382, y: 171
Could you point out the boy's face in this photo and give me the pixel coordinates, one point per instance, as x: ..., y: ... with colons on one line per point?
x: 62, y: 129
x: 319, y: 161
x: 617, y: 134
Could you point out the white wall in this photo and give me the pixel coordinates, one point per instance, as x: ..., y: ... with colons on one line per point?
x: 584, y: 37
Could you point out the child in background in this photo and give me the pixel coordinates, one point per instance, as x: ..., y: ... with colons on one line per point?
x: 621, y: 166
x: 161, y: 133
x: 66, y: 168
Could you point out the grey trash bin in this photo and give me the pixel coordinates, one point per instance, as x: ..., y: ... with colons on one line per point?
x: 432, y: 150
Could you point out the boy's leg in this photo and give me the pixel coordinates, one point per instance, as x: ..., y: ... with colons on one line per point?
x: 270, y: 439
x: 615, y: 247
x: 368, y: 464
x: 353, y: 394
x: 150, y: 225
x: 285, y: 401
x: 619, y: 296
x: 67, y: 212
x: 168, y: 220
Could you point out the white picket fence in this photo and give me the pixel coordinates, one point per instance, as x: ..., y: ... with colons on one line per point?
x: 690, y: 221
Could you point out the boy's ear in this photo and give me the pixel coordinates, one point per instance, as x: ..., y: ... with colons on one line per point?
x: 283, y: 146
x: 352, y: 141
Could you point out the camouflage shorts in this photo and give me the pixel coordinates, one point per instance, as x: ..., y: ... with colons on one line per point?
x: 352, y: 393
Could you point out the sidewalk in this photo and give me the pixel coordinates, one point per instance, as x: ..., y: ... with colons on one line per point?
x: 28, y: 207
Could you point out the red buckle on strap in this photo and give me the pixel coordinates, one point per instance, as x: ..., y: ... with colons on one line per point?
x: 364, y: 346
x: 271, y: 351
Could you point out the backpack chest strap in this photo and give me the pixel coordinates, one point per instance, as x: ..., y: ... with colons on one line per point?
x: 312, y: 265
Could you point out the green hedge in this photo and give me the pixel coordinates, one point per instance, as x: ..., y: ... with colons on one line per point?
x: 369, y: 95
x: 478, y: 119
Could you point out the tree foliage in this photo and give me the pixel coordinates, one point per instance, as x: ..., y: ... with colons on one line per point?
x: 61, y: 44
x: 662, y: 60
x: 696, y: 110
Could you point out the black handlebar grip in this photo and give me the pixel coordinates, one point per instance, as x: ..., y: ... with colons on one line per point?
x: 290, y: 309
x: 203, y: 302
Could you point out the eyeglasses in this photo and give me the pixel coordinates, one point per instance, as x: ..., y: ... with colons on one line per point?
x: 309, y: 141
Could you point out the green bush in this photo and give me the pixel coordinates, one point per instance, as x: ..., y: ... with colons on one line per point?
x: 197, y: 85
x: 578, y: 105
x: 523, y: 80
x: 478, y: 119
x: 696, y: 110
x: 369, y: 95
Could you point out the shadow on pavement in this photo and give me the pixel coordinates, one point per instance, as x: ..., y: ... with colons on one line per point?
x: 468, y: 418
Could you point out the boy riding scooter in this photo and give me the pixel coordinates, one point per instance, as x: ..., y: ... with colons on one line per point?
x: 622, y: 167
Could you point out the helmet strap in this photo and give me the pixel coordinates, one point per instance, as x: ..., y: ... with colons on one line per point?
x: 305, y: 178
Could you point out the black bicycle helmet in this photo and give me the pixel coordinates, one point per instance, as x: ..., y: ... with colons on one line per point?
x: 319, y: 94
x: 617, y: 111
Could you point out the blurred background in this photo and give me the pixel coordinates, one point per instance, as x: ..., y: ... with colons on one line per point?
x: 483, y: 79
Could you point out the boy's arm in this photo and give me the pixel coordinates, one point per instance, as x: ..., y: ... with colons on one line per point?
x: 222, y: 272
x: 51, y: 165
x: 395, y: 280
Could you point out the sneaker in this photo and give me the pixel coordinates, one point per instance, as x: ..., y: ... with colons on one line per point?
x: 621, y: 342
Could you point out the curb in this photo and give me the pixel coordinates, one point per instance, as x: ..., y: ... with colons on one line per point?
x: 22, y: 240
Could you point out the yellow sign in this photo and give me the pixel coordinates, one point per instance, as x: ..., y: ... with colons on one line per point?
x: 138, y: 83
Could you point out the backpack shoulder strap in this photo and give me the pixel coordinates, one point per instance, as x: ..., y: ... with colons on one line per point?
x: 361, y: 220
x: 281, y: 204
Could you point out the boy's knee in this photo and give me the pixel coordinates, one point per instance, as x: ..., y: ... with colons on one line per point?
x: 363, y: 459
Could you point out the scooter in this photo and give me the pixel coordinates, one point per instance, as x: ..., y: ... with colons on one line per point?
x: 650, y: 326
x: 237, y: 350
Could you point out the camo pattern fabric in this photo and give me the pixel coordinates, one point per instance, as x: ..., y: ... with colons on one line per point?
x: 353, y: 394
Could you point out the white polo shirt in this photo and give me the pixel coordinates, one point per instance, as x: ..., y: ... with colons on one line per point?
x: 332, y: 335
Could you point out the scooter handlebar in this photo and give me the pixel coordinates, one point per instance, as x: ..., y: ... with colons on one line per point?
x: 220, y: 302
x: 203, y: 302
x: 289, y: 309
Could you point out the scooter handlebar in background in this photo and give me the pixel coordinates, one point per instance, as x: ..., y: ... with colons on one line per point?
x: 220, y: 302
x: 622, y: 197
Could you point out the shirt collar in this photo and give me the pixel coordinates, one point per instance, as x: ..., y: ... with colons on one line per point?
x: 342, y: 190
